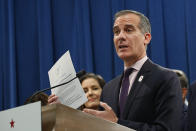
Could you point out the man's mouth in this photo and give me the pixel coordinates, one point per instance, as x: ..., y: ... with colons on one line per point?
x: 122, y: 46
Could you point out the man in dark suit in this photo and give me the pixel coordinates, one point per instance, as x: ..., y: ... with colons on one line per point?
x: 191, y: 119
x: 151, y: 99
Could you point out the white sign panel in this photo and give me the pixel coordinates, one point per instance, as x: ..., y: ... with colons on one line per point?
x: 23, y: 118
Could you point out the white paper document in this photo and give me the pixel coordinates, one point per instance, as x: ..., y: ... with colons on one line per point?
x: 71, y: 94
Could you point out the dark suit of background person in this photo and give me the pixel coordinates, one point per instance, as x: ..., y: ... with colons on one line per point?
x: 184, y: 86
x: 154, y: 102
x: 192, y: 108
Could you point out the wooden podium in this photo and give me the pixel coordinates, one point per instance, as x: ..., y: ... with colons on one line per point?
x: 58, y: 117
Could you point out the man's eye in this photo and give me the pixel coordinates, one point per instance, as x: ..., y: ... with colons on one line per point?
x: 129, y: 30
x: 116, y: 32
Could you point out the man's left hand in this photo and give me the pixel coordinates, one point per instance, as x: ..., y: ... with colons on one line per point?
x: 107, y: 114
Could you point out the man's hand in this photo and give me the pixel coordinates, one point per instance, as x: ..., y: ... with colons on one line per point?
x: 52, y: 99
x: 107, y: 114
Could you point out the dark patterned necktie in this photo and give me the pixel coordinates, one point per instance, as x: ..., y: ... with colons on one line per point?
x: 124, y: 90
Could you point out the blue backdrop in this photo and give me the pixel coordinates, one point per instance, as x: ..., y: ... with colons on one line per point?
x: 35, y: 33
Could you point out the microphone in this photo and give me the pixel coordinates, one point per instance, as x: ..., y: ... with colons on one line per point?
x: 78, y: 75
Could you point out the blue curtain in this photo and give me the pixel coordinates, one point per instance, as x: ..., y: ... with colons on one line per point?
x: 35, y: 33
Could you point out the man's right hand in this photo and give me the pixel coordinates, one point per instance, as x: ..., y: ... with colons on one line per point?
x: 52, y: 99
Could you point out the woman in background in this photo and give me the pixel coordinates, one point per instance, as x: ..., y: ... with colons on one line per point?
x: 92, y: 85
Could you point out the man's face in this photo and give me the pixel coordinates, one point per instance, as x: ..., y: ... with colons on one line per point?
x: 129, y: 41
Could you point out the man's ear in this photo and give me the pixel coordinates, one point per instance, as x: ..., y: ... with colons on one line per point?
x: 147, y: 38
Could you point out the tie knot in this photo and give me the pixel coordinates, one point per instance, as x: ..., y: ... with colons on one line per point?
x: 128, y: 72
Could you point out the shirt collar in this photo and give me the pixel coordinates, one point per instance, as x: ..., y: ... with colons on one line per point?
x: 138, y: 65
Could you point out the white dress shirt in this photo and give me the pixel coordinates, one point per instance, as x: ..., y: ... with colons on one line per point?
x: 136, y: 66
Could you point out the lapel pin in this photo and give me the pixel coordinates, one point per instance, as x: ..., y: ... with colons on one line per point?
x: 140, y: 78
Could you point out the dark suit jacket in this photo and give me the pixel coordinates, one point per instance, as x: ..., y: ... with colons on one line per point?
x: 191, y: 118
x: 153, y: 104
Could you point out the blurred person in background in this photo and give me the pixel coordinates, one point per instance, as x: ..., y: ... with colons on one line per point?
x: 191, y: 117
x: 184, y: 85
x: 43, y: 97
x: 92, y: 85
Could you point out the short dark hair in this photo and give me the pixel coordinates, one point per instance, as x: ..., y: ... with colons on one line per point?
x: 98, y: 78
x: 144, y: 24
x: 182, y: 77
x: 43, y: 97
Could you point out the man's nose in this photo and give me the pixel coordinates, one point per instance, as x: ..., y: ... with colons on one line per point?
x: 121, y: 36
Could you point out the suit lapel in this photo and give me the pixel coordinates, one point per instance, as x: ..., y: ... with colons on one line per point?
x: 116, y: 94
x: 137, y: 85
